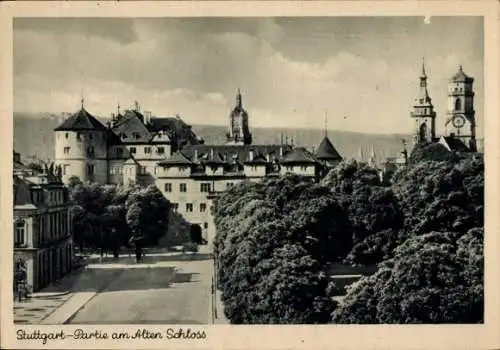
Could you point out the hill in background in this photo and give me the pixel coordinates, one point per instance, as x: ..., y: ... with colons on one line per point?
x: 34, y: 136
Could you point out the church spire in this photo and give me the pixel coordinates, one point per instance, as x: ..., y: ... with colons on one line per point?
x: 82, y: 101
x: 239, y: 103
x: 423, y: 76
x: 326, y: 122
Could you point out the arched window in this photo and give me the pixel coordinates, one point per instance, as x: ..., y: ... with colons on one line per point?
x: 458, y: 104
x: 422, y: 134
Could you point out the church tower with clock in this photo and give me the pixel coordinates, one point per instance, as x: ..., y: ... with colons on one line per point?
x: 461, y: 120
x: 239, y: 133
x: 423, y: 113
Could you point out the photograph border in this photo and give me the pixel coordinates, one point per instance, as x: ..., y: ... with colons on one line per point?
x: 275, y: 337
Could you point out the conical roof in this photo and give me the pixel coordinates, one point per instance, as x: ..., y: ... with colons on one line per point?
x: 326, y: 151
x: 81, y: 120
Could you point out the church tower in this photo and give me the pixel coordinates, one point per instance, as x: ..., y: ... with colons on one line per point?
x: 423, y: 113
x: 461, y: 114
x: 239, y: 133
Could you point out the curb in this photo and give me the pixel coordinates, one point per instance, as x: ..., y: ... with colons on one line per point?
x: 48, y: 295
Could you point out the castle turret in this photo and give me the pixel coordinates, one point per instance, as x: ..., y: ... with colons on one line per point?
x: 81, y: 147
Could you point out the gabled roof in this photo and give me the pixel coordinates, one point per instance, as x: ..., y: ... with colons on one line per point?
x: 177, y: 158
x: 453, y: 144
x: 461, y: 77
x: 213, y: 157
x: 22, y: 194
x: 81, y: 120
x: 130, y: 129
x: 326, y: 151
x: 299, y: 156
x: 258, y: 158
x: 131, y: 160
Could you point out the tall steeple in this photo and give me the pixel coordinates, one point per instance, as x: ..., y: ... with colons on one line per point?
x: 423, y: 112
x: 239, y: 132
x: 239, y: 103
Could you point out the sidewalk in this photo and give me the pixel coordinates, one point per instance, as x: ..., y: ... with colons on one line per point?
x: 220, y: 317
x: 34, y: 310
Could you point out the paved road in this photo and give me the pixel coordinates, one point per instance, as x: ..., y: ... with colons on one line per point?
x: 159, y: 292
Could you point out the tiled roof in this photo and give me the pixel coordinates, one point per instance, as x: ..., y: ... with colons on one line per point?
x: 461, y: 77
x: 175, y: 126
x: 22, y: 195
x: 130, y: 129
x: 326, y: 151
x: 81, y: 120
x: 454, y: 144
x: 238, y: 153
x: 299, y: 156
x: 177, y: 158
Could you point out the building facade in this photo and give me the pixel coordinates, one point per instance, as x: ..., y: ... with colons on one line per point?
x: 42, y: 225
x: 137, y: 148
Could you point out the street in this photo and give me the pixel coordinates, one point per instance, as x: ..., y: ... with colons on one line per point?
x: 163, y: 289
x: 164, y: 292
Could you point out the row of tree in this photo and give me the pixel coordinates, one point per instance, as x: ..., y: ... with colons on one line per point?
x: 108, y: 217
x: 276, y: 239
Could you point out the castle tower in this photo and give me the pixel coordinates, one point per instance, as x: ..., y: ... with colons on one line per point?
x: 423, y: 113
x: 239, y: 133
x: 81, y: 147
x: 461, y: 114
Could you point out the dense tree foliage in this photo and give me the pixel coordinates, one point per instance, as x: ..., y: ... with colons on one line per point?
x: 433, y: 278
x: 105, y: 216
x: 274, y: 239
x: 424, y: 230
x: 373, y: 211
x: 430, y: 151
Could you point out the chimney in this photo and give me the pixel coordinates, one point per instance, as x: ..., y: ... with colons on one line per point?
x: 268, y: 157
x: 195, y: 156
x: 281, y: 151
x: 250, y: 155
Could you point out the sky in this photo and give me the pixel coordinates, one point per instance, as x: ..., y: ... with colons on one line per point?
x: 363, y: 71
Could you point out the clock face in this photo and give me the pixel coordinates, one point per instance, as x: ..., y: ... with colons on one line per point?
x: 458, y: 121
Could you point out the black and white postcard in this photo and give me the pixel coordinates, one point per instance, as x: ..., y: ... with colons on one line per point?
x: 248, y: 175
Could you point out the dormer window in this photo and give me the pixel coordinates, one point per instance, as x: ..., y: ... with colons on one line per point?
x: 78, y: 136
x: 136, y: 135
x: 123, y: 135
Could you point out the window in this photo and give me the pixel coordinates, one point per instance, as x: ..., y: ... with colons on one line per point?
x: 90, y: 136
x: 205, y: 225
x: 168, y: 187
x: 119, y: 151
x: 123, y: 135
x: 458, y: 104
x: 160, y: 150
x: 203, y: 207
x: 205, y: 187
x: 90, y: 169
x: 132, y: 150
x: 65, y: 169
x: 79, y: 137
x: 66, y: 135
x: 66, y: 150
x: 20, y: 231
x: 189, y: 207
x: 229, y: 185
x: 142, y: 170
x: 183, y: 187
x: 90, y: 151
x: 147, y: 150
x: 136, y: 135
x: 175, y: 207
